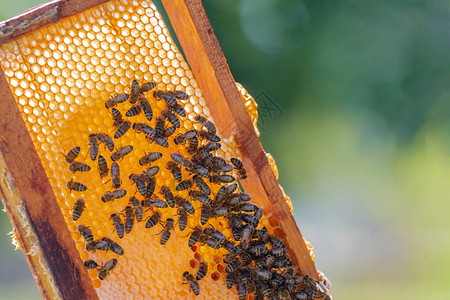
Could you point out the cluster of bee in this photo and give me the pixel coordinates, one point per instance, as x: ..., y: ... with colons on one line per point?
x: 257, y: 262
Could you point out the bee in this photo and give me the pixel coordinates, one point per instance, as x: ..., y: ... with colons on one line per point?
x: 220, y: 212
x: 258, y: 249
x: 269, y: 259
x: 237, y: 163
x: 113, y: 246
x: 140, y: 184
x: 178, y: 158
x: 212, y: 146
x: 208, y: 124
x: 213, y: 243
x: 122, y: 129
x: 248, y: 207
x: 278, y: 251
x: 133, y: 111
x: 194, y: 236
x: 276, y: 242
x: 215, y: 234
x: 221, y: 194
x: 184, y: 185
x: 121, y: 153
x: 246, y: 235
x: 309, y: 287
x: 120, y: 98
x: 224, y: 169
x: 78, y: 209
x: 179, y: 95
x: 116, y: 117
x: 221, y: 179
x: 90, y: 264
x: 102, y: 166
x: 151, y: 172
x: 168, y: 196
x: 108, y: 267
x: 241, y: 290
x: 283, y: 293
x: 182, y: 138
x: 147, y: 86
x: 248, y: 218
x: 262, y: 234
x: 233, y: 265
x: 76, y: 186
x: 118, y: 224
x: 110, y: 196
x: 178, y: 109
x: 229, y: 280
x: 107, y: 140
x: 282, y: 262
x: 168, y: 226
x: 193, y: 145
x: 150, y: 157
x: 98, y: 245
x: 230, y: 247
x: 135, y: 91
x: 202, y: 270
x: 153, y: 219
x: 182, y: 218
x: 209, y: 136
x: 93, y: 143
x: 176, y: 171
x: 173, y: 119
x: 129, y: 219
x: 218, y: 161
x: 169, y: 131
x: 145, y: 129
x: 201, y: 171
x: 151, y: 187
x: 86, y: 233
x: 263, y: 288
x: 145, y: 105
x: 205, y: 214
x: 78, y: 166
x: 301, y: 295
x: 277, y: 280
x: 168, y: 98
x: 154, y: 202
x: 138, y: 210
x: 242, y: 174
x: 185, y: 204
x: 115, y: 175
x: 72, y: 154
x: 201, y: 184
x: 160, y: 140
x: 199, y: 196
x: 159, y: 126
x: 193, y: 284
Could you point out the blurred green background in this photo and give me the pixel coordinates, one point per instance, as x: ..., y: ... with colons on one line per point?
x: 354, y: 106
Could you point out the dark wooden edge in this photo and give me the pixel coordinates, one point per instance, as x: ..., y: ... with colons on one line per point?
x: 210, y: 68
x: 60, y: 266
x: 43, y: 15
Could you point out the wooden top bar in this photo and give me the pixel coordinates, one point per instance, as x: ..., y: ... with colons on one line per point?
x: 210, y: 68
x: 42, y: 15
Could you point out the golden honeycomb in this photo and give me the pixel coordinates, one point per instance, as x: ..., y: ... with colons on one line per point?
x: 61, y: 76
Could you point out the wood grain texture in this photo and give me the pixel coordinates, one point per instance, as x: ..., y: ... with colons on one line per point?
x: 211, y: 71
x: 34, y: 212
x: 42, y: 15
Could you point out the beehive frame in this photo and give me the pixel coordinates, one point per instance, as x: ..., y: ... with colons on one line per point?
x: 27, y: 193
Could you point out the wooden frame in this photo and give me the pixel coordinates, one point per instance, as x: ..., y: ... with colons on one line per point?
x: 28, y: 197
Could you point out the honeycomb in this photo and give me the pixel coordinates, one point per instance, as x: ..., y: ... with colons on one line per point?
x: 61, y: 76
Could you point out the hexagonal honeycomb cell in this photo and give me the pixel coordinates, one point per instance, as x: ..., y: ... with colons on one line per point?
x: 61, y: 76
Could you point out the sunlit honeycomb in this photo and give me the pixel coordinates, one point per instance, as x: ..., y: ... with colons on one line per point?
x: 61, y: 75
